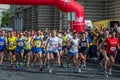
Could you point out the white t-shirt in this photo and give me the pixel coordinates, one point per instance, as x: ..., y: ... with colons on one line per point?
x: 54, y: 43
x: 74, y: 46
x: 69, y: 36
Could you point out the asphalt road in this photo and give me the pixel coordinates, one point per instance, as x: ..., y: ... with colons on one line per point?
x: 92, y: 72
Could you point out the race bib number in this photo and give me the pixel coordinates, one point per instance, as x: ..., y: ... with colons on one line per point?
x: 27, y: 44
x: 10, y: 44
x: 20, y: 43
x: 113, y: 48
x: 83, y: 44
x: 74, y: 48
x: 37, y: 43
x: 55, y: 46
x: 1, y: 43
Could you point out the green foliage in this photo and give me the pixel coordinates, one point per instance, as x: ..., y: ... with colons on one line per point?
x: 5, y: 18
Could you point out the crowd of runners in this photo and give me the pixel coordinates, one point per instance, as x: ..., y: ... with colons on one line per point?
x: 46, y: 47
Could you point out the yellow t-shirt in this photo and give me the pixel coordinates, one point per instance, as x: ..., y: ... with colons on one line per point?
x: 27, y: 41
x: 11, y: 43
x: 42, y: 36
x: 94, y: 42
x: 65, y: 38
x: 37, y: 42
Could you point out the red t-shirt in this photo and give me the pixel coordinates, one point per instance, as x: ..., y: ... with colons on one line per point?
x: 111, y: 45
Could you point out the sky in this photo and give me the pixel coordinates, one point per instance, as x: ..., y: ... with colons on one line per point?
x: 4, y: 6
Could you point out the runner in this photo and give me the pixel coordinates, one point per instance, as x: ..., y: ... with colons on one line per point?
x: 65, y: 39
x: 102, y: 58
x: 53, y: 49
x: 11, y: 46
x: 83, y: 45
x: 46, y: 57
x: 111, y: 49
x: 20, y: 50
x: 37, y: 44
x: 60, y: 50
x: 27, y: 48
x: 73, y: 51
x: 3, y: 43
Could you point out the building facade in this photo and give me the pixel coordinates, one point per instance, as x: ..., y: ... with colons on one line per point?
x: 42, y: 17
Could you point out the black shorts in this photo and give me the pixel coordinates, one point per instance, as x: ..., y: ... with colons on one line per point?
x: 111, y: 54
x: 11, y: 51
x: 2, y: 50
x: 54, y: 54
x: 82, y: 51
x: 26, y: 52
x: 101, y: 56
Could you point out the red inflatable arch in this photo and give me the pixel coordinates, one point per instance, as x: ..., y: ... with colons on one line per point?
x: 63, y: 5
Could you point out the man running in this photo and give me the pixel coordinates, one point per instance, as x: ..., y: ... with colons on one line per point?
x: 11, y: 43
x: 83, y: 45
x: 20, y: 50
x: 3, y: 43
x: 53, y: 50
x: 73, y: 51
x: 27, y: 48
x: 111, y: 49
x: 37, y: 44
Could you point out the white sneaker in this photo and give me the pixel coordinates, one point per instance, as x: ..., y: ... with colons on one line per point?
x: 79, y: 70
x: 84, y: 65
x: 32, y: 65
x: 106, y: 74
x: 50, y: 70
x: 110, y: 73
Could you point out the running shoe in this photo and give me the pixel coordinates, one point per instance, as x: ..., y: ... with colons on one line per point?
x: 62, y: 65
x: 68, y: 65
x: 106, y: 74
x: 101, y: 67
x: 41, y: 69
x: 75, y: 71
x: 28, y: 65
x: 21, y: 65
x: 31, y: 64
x: 110, y: 73
x: 48, y: 65
x: 84, y: 65
x: 79, y: 70
x: 50, y: 70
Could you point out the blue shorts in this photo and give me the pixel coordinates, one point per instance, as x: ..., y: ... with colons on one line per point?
x: 2, y: 48
x: 55, y: 51
x: 72, y: 53
x: 19, y: 49
x: 63, y: 47
x: 45, y: 52
x: 60, y: 49
x: 36, y: 50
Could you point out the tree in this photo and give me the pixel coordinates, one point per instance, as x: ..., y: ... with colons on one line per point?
x: 5, y: 18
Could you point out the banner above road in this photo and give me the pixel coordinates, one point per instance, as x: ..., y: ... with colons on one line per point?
x: 64, y: 5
